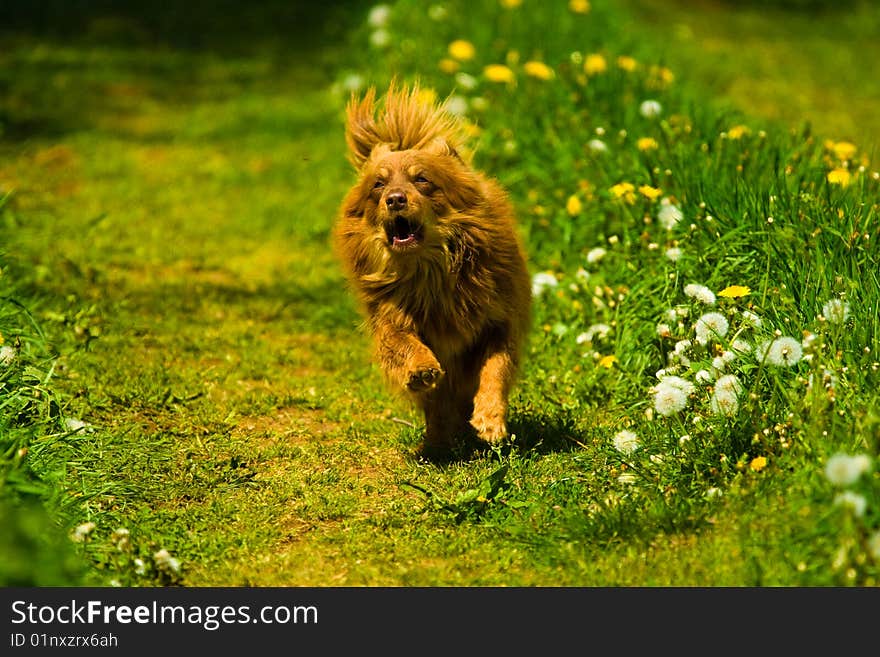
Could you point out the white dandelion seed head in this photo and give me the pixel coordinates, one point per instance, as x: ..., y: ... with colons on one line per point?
x: 729, y: 356
x: 781, y: 352
x: 700, y: 292
x: 718, y: 364
x: 684, y: 440
x: 663, y: 330
x: 457, y: 105
x: 595, y: 255
x: 7, y: 355
x: 740, y: 346
x: 678, y: 382
x: 541, y: 281
x: 852, y: 501
x: 836, y: 311
x: 729, y: 384
x: 599, y: 331
x: 437, y: 12
x: 165, y: 561
x: 703, y: 376
x: 140, y: 568
x: 843, y: 469
x: 723, y: 403
x: 379, y: 16
x: 669, y: 399
x: 597, y: 146
x: 380, y: 38
x: 80, y: 532
x: 650, y: 109
x: 713, y: 493
x: 626, y: 442
x: 466, y: 81
x: 751, y: 318
x: 682, y: 346
x: 582, y: 274
x: 669, y: 214
x: 710, y: 326
x: 673, y: 254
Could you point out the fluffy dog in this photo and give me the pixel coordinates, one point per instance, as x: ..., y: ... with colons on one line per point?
x: 430, y: 247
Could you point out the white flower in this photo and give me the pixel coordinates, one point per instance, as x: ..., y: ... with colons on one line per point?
x: 710, y: 325
x: 843, y: 469
x: 7, y: 355
x: 673, y: 253
x: 465, y: 81
x: 703, y: 376
x: 751, y: 318
x: 670, y: 398
x: 165, y: 561
x: 852, y: 501
x: 725, y: 399
x: 713, y: 492
x: 728, y: 383
x: 836, y: 311
x: 740, y: 346
x: 663, y: 330
x: 626, y: 441
x: 380, y: 38
x: 700, y: 292
x: 582, y: 274
x: 650, y: 109
x: 596, y: 330
x: 669, y: 214
x: 541, y: 281
x: 379, y: 15
x: 73, y: 424
x: 595, y: 255
x: 437, y: 12
x: 781, y: 352
x: 457, y: 105
x: 82, y: 531
x: 718, y: 364
x: 597, y: 146
x: 139, y: 566
x: 351, y: 83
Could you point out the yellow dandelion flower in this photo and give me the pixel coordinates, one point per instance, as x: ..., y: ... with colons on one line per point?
x: 510, y: 4
x: 661, y: 76
x: 647, y: 144
x: 574, y: 205
x: 498, y: 73
x: 579, y: 6
x: 595, y: 64
x: 624, y: 191
x: 607, y: 361
x: 844, y: 150
x: 627, y: 63
x: 462, y: 50
x: 649, y: 192
x: 738, y: 131
x: 758, y: 463
x: 449, y: 66
x: 840, y: 177
x: 538, y: 70
x: 733, y: 291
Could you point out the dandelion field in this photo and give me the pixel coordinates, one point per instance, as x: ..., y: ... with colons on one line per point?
x: 193, y: 398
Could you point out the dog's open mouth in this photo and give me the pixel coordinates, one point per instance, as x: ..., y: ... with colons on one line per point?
x: 403, y: 233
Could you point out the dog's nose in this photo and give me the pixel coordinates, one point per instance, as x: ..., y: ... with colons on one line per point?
x: 396, y: 201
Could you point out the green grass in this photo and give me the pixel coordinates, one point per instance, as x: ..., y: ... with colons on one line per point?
x: 168, y: 215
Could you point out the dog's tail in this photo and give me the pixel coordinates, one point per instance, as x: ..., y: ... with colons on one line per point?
x: 410, y: 118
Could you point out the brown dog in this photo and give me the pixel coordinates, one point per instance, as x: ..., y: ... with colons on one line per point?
x: 430, y: 247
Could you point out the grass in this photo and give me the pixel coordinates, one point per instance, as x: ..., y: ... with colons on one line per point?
x: 216, y: 415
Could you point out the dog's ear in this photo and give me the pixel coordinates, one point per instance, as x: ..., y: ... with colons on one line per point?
x: 361, y: 131
x: 440, y: 146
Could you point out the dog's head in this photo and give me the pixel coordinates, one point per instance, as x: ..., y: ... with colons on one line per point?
x: 413, y: 178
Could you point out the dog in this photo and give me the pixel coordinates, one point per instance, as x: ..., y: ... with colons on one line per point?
x: 431, y: 249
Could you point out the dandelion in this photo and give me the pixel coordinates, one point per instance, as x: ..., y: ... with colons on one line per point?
x: 670, y: 398
x: 579, y: 6
x: 673, y: 254
x: 7, y: 355
x: 599, y: 331
x: 700, y: 292
x: 573, y: 206
x: 626, y: 441
x: 595, y: 255
x: 852, y: 501
x: 839, y: 176
x: 456, y: 105
x: 437, y: 12
x: 449, y: 66
x: 669, y: 214
x: 781, y: 352
x: 843, y: 469
x: 738, y: 131
x: 844, y: 150
x: 725, y: 398
x: 538, y: 70
x: 510, y: 4
x: 627, y: 63
x: 713, y: 492
x: 661, y: 76
x: 140, y: 568
x: 650, y: 193
x: 650, y: 109
x: 607, y: 361
x: 595, y: 64
x: 624, y: 191
x: 663, y: 330
x: 740, y: 346
x: 164, y: 561
x: 498, y: 73
x: 81, y: 532
x: 597, y: 146
x: 121, y: 539
x: 710, y: 325
x: 734, y: 291
x: 466, y: 81
x: 379, y: 15
x: 703, y: 376
x: 751, y: 318
x: 541, y: 281
x: 758, y: 463
x: 835, y: 311
x: 352, y: 83
x: 380, y: 38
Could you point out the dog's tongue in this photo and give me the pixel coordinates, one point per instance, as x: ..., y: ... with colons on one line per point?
x: 403, y: 233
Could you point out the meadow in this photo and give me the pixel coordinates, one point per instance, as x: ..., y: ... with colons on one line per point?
x: 186, y: 392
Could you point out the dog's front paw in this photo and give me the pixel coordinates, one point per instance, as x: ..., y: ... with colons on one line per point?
x: 423, y: 379
x: 491, y: 430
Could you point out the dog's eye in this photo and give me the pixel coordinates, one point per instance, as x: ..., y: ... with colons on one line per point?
x: 378, y: 184
x: 421, y: 179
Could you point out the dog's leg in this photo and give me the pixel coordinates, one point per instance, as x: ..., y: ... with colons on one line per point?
x: 406, y: 360
x: 494, y: 380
